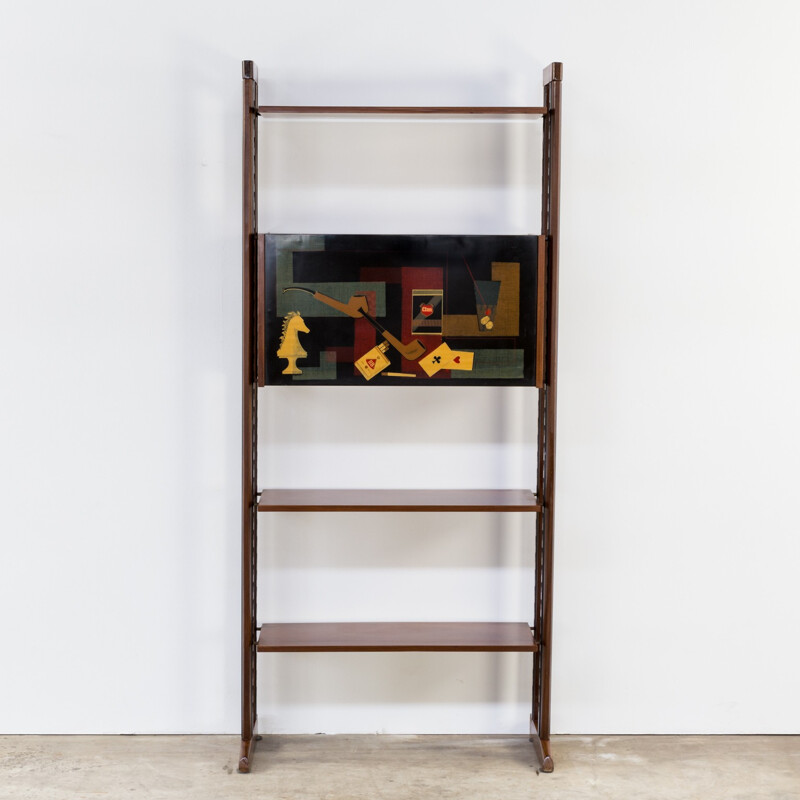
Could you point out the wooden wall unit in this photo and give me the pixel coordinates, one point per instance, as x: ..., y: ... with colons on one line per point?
x: 425, y: 327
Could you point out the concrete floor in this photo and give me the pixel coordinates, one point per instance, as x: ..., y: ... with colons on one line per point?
x: 407, y: 767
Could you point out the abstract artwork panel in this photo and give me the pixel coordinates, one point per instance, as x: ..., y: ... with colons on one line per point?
x: 422, y: 310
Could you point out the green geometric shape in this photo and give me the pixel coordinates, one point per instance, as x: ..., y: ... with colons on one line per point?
x: 286, y: 245
x: 493, y: 365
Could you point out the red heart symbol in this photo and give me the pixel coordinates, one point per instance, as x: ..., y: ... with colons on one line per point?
x: 457, y: 360
x: 371, y: 363
x: 426, y: 309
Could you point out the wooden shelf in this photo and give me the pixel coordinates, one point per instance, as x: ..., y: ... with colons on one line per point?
x: 398, y: 500
x: 334, y: 637
x: 536, y: 111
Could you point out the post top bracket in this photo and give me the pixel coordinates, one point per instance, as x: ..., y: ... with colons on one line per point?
x: 249, y: 71
x: 553, y: 72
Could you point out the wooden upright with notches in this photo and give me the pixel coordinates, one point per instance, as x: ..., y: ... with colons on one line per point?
x: 535, y: 638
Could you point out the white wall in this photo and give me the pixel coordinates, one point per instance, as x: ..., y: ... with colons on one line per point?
x: 676, y: 593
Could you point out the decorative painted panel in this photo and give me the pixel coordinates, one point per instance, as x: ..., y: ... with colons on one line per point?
x: 401, y: 310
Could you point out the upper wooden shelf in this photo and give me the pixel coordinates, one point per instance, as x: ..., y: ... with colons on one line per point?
x: 321, y: 637
x: 398, y: 500
x: 536, y: 111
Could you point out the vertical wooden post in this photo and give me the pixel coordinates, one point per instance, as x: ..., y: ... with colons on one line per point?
x: 543, y: 615
x: 249, y: 409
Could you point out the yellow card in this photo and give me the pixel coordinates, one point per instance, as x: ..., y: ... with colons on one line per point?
x: 460, y: 359
x: 436, y: 360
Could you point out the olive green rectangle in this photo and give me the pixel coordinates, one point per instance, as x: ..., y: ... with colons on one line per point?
x: 286, y: 244
x: 309, y: 307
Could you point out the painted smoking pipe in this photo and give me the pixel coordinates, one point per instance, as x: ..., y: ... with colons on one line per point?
x: 356, y: 307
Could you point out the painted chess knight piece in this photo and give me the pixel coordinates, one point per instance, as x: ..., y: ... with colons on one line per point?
x: 290, y: 348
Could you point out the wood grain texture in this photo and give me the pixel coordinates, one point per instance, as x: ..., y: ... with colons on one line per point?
x: 543, y: 613
x: 318, y: 637
x: 261, y: 314
x: 398, y: 500
x: 249, y: 404
x: 541, y: 289
x: 458, y: 110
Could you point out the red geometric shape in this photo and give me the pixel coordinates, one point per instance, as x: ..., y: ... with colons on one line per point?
x: 364, y: 339
x: 426, y: 309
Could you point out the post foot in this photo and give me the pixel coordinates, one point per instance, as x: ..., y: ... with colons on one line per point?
x: 541, y: 747
x: 547, y: 762
x: 246, y: 755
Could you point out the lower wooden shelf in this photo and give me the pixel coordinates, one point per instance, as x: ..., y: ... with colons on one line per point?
x: 398, y: 500
x: 321, y: 637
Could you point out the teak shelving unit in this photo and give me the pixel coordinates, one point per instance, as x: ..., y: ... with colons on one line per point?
x: 402, y: 636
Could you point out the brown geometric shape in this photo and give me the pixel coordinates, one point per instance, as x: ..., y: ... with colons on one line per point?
x: 506, y: 322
